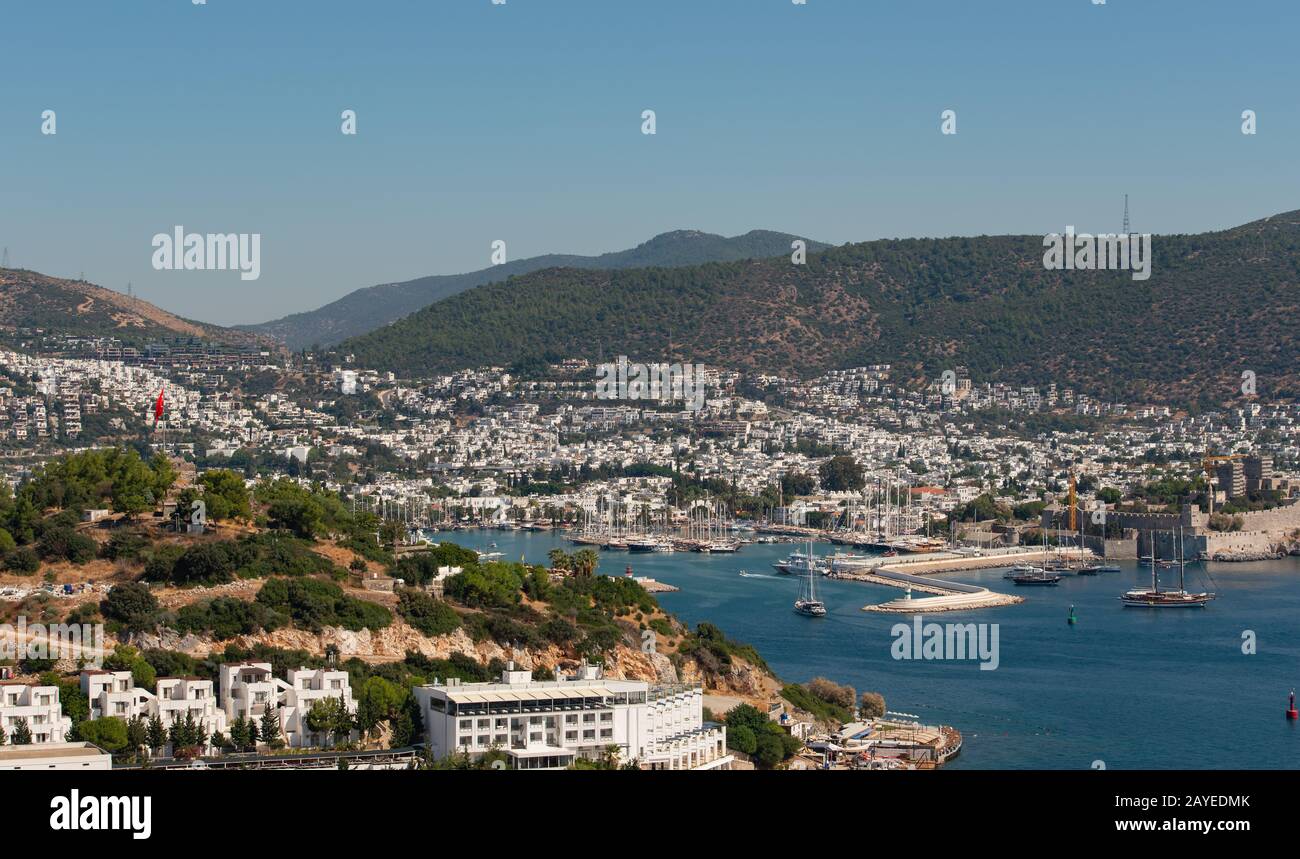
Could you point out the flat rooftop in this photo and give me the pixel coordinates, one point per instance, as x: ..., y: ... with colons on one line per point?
x: 50, y: 750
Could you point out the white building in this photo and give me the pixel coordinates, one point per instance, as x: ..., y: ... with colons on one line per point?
x: 548, y: 724
x: 55, y: 756
x: 306, y: 687
x: 178, y: 697
x: 114, y: 693
x: 248, y: 689
x: 38, y: 706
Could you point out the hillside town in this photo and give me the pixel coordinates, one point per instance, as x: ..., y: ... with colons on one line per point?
x: 486, y: 445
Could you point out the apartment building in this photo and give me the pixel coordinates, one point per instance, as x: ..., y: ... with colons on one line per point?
x: 248, y: 689
x: 37, y: 705
x: 114, y: 693
x: 179, y: 697
x: 550, y: 724
x: 306, y: 687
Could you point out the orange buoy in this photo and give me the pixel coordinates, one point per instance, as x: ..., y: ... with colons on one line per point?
x: 1291, y: 711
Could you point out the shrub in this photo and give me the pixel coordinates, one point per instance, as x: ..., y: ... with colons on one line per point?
x: 132, y: 605
x: 204, y: 564
x: 161, y: 561
x: 227, y: 617
x: 313, y: 604
x: 23, y: 561
x: 430, y: 616
x: 60, y: 543
x: 125, y: 544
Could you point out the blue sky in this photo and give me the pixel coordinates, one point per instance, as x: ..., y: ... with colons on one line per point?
x: 522, y: 122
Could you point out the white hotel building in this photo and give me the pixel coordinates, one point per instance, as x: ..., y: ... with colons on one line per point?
x: 547, y: 724
x: 39, y: 706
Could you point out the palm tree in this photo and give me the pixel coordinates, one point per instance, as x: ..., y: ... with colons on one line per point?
x: 560, y: 559
x: 584, y: 562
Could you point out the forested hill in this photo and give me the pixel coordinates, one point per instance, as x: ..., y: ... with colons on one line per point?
x: 1216, y: 304
x: 366, y: 309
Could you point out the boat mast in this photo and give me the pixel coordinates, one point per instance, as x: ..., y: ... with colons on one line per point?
x: 1155, y: 580
x: 1182, y: 587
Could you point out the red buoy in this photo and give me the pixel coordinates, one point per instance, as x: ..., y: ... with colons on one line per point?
x: 1291, y: 711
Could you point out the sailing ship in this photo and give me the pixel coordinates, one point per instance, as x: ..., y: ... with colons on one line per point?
x: 1154, y: 597
x: 1038, y: 576
x: 808, y: 603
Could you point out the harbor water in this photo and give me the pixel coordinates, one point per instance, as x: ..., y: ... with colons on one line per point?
x: 1130, y: 688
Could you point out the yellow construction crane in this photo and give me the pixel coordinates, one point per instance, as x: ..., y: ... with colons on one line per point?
x: 1074, y: 522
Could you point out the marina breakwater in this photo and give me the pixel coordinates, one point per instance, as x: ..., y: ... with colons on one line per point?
x: 945, y: 595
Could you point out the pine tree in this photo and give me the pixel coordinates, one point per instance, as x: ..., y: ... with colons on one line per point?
x: 271, y: 727
x: 239, y: 734
x: 157, y: 735
x: 253, y: 734
x: 22, y: 733
x: 137, y: 734
x: 193, y: 732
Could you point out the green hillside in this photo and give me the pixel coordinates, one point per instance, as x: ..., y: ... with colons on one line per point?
x: 367, y: 309
x: 1215, y: 305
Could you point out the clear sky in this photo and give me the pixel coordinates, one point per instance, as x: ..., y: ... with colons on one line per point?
x: 522, y: 122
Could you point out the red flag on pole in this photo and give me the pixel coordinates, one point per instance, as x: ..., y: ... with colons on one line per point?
x: 158, y: 406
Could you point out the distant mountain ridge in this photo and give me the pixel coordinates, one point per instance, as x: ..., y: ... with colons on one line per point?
x: 1216, y: 305
x: 366, y: 309
x: 30, y: 300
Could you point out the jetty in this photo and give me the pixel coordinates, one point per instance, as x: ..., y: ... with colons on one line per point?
x: 916, y: 573
x: 947, y: 596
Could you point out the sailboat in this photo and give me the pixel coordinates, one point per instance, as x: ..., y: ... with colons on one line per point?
x: 1031, y: 575
x: 1153, y: 597
x: 808, y: 603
